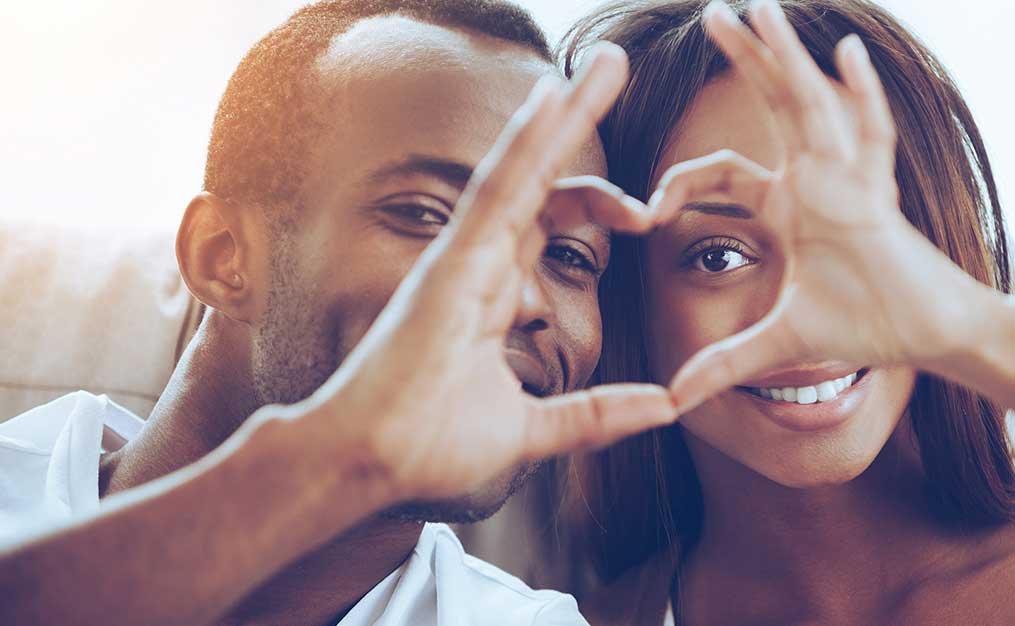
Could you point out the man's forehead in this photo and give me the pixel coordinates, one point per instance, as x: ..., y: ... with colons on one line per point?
x: 394, y: 85
x: 399, y: 43
x: 398, y: 87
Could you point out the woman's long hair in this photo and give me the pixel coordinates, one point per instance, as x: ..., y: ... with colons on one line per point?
x: 642, y: 496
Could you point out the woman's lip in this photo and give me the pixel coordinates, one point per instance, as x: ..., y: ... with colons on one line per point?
x: 818, y: 416
x: 803, y: 377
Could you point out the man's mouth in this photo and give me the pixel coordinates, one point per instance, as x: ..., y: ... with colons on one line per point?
x: 535, y: 391
x: 530, y: 372
x: 824, y: 391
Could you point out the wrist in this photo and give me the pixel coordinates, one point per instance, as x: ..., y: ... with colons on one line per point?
x: 938, y: 297
x: 309, y: 465
x: 976, y: 332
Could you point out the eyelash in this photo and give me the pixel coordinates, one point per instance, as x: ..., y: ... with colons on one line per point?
x: 585, y: 263
x: 404, y: 211
x: 716, y: 243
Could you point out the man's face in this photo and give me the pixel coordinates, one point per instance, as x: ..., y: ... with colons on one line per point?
x: 415, y: 107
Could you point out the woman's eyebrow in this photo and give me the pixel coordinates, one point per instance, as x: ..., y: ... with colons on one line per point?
x: 721, y: 209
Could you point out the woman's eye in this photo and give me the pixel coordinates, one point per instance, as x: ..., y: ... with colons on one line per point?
x: 418, y: 213
x: 571, y: 257
x: 717, y: 260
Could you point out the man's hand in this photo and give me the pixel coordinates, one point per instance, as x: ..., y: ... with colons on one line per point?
x: 427, y: 396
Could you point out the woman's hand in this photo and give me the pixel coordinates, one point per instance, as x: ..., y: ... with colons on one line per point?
x: 861, y: 284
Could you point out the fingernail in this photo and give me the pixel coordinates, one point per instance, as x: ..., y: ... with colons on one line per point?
x: 545, y: 86
x: 596, y: 54
x: 771, y: 7
x: 855, y: 46
x: 722, y: 11
x: 608, y: 48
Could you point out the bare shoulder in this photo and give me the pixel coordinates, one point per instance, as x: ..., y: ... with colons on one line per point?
x: 978, y: 588
x: 639, y: 596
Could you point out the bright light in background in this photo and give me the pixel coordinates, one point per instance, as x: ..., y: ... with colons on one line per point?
x: 108, y: 104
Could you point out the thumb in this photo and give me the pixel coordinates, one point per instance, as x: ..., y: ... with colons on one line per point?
x: 730, y: 362
x: 594, y: 418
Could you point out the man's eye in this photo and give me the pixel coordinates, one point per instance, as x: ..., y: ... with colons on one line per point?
x: 418, y: 213
x: 571, y: 257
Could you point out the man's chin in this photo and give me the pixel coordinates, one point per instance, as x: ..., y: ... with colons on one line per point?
x: 474, y: 507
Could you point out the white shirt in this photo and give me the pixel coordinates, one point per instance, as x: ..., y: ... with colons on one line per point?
x: 49, y: 470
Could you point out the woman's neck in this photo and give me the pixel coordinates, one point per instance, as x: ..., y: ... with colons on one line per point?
x: 824, y: 551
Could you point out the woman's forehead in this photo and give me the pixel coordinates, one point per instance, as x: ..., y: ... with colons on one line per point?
x: 728, y: 113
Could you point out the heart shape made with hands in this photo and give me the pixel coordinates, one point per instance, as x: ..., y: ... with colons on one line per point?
x: 832, y: 208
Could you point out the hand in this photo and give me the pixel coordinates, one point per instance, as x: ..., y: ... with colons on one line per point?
x: 427, y: 395
x: 861, y: 284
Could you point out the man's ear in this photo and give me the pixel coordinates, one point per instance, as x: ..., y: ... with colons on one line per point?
x: 214, y: 249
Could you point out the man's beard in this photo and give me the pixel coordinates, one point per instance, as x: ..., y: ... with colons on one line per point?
x: 294, y: 353
x: 298, y: 346
x: 473, y: 507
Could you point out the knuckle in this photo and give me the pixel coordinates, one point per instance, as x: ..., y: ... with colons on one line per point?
x: 490, y: 191
x: 545, y: 177
x: 594, y: 429
x: 780, y: 100
x: 725, y: 369
x: 673, y: 177
x: 728, y: 156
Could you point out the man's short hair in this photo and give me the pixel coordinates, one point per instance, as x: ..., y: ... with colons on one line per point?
x: 269, y: 116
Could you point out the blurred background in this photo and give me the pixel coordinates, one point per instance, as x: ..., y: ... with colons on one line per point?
x: 108, y: 103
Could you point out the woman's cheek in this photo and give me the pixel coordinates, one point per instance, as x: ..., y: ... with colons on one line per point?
x: 681, y: 325
x: 687, y: 318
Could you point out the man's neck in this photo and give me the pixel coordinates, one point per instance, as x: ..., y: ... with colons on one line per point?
x: 208, y: 397
x: 321, y: 588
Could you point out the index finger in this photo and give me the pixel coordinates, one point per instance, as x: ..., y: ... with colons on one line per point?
x: 755, y: 62
x: 583, y: 199
x: 822, y: 121
x: 511, y: 183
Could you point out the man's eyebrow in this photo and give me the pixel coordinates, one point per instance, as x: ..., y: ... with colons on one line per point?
x: 721, y: 209
x: 454, y: 173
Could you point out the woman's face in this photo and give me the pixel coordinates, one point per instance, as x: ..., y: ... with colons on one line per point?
x: 713, y: 272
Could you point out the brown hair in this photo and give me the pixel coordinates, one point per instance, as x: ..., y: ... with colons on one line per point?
x: 643, y: 494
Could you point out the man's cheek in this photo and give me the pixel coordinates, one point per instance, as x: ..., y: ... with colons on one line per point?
x: 585, y: 338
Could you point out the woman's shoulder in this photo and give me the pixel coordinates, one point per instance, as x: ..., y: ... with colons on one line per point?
x: 639, y: 596
x: 977, y: 586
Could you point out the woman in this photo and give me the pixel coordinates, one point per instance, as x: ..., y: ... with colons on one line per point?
x: 842, y: 456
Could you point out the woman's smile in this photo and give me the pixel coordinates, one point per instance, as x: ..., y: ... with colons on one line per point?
x: 822, y: 405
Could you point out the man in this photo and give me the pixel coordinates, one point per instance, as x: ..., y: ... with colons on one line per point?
x: 346, y: 142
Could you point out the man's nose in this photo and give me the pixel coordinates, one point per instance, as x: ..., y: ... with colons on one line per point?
x: 535, y: 311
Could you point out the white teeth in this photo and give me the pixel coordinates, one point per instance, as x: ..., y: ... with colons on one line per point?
x: 827, y: 391
x: 822, y: 392
x: 806, y: 395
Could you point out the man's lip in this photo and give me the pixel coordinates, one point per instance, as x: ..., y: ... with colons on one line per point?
x: 528, y: 369
x: 804, y: 376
